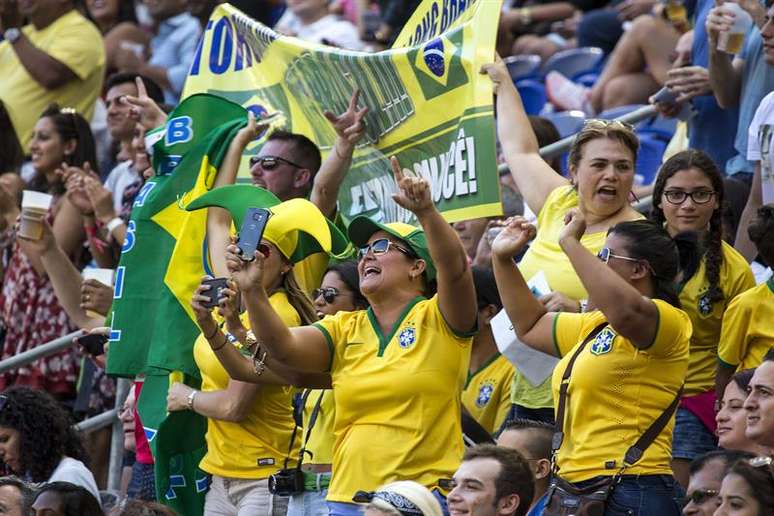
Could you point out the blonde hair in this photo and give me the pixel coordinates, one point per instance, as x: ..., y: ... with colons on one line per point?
x: 415, y: 493
x: 594, y: 129
x: 299, y: 299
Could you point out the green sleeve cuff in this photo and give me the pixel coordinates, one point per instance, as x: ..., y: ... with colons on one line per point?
x: 329, y: 341
x: 725, y: 364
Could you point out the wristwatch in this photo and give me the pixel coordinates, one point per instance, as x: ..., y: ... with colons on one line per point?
x: 12, y: 35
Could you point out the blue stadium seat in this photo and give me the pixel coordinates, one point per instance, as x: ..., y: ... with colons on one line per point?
x: 659, y: 126
x: 574, y: 61
x: 587, y: 79
x: 523, y: 67
x: 567, y: 122
x: 649, y: 158
x: 533, y: 95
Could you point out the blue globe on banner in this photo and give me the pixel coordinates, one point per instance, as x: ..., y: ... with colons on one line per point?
x: 434, y: 57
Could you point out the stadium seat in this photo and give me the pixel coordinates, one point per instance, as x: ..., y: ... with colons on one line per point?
x: 574, y: 61
x: 659, y: 126
x: 533, y: 95
x: 523, y: 67
x: 649, y: 158
x: 567, y: 122
x: 587, y: 79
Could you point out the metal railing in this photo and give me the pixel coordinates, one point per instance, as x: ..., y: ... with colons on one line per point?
x: 91, y: 424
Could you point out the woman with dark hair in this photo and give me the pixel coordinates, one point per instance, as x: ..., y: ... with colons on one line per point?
x: 29, y: 309
x: 732, y: 417
x: 65, y: 499
x: 748, y: 333
x: 339, y: 290
x: 38, y: 441
x: 688, y: 197
x: 601, y: 173
x: 629, y: 356
x: 11, y: 153
x: 748, y: 489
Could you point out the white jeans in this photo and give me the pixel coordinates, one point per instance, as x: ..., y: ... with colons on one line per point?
x: 243, y: 497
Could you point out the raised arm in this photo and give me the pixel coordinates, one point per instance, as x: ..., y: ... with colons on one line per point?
x: 64, y: 277
x: 219, y: 219
x: 456, y: 293
x: 631, y: 314
x: 530, y: 319
x: 349, y: 128
x: 533, y: 176
x: 742, y: 243
x: 725, y: 72
x: 303, y: 348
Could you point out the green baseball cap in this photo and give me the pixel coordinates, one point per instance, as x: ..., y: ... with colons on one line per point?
x: 362, y: 228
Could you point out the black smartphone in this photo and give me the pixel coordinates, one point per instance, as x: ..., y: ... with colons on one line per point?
x: 94, y: 344
x: 252, y: 231
x: 216, y: 285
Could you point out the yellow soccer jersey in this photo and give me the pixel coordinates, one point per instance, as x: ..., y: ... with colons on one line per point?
x: 748, y: 328
x: 257, y: 446
x: 321, y: 439
x: 616, y: 391
x: 487, y: 392
x: 707, y: 317
x: 397, y: 398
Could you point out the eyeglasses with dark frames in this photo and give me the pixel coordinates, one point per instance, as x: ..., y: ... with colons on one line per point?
x: 698, y: 196
x: 271, y: 162
x: 381, y: 246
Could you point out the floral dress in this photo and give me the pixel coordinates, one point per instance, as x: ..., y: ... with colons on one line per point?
x: 31, y: 315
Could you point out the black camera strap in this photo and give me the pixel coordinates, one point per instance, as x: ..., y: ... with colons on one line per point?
x: 636, y: 451
x: 296, y: 426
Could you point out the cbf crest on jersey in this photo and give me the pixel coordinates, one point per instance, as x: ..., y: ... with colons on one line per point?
x: 603, y: 343
x: 407, y: 337
x: 485, y: 393
x: 705, y: 304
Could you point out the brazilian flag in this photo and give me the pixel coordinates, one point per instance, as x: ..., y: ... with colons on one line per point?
x: 161, y: 265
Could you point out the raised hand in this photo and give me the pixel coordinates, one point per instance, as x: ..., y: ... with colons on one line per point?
x: 689, y: 82
x: 228, y: 307
x: 349, y: 125
x: 498, y: 72
x: 251, y: 131
x: 719, y: 19
x: 101, y: 200
x: 557, y: 302
x: 143, y: 108
x: 414, y: 193
x: 247, y: 275
x: 76, y: 194
x: 516, y: 233
x: 574, y: 225
x: 41, y: 246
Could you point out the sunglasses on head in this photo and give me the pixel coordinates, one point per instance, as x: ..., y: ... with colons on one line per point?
x: 700, y: 496
x: 598, y: 123
x: 271, y: 162
x: 329, y: 294
x: 381, y: 246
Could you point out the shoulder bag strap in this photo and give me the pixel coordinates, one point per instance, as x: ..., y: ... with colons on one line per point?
x: 302, y: 402
x: 556, y: 442
x: 312, y: 421
x: 635, y: 452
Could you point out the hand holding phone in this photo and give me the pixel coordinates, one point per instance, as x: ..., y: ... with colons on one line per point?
x: 252, y: 231
x: 216, y: 286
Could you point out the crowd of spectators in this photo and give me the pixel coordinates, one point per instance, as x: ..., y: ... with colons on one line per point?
x: 390, y: 366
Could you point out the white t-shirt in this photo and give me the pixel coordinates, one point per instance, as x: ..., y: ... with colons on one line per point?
x: 332, y: 28
x: 760, y: 145
x: 119, y: 178
x: 75, y: 472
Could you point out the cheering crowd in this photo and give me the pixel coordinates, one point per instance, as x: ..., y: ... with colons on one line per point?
x: 375, y: 382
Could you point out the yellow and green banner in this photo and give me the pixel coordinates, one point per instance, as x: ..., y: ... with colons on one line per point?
x: 428, y: 104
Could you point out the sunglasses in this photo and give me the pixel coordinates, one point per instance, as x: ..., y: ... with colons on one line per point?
x: 598, y: 123
x: 605, y: 254
x: 329, y: 294
x: 698, y: 197
x: 271, y: 162
x: 700, y: 496
x: 381, y: 246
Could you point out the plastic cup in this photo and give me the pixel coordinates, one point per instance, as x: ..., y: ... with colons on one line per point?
x: 35, y: 207
x: 732, y: 40
x: 104, y: 276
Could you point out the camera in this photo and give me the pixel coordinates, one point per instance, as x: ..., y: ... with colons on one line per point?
x: 286, y: 482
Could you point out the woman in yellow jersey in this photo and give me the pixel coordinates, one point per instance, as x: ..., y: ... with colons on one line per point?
x: 398, y: 368
x: 748, y: 331
x: 688, y: 196
x: 601, y: 169
x: 629, y: 373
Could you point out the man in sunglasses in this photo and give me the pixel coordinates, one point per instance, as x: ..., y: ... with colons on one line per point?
x: 706, y: 474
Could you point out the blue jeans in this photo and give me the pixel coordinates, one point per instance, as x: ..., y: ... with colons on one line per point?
x: 308, y: 503
x: 642, y: 495
x: 691, y: 438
